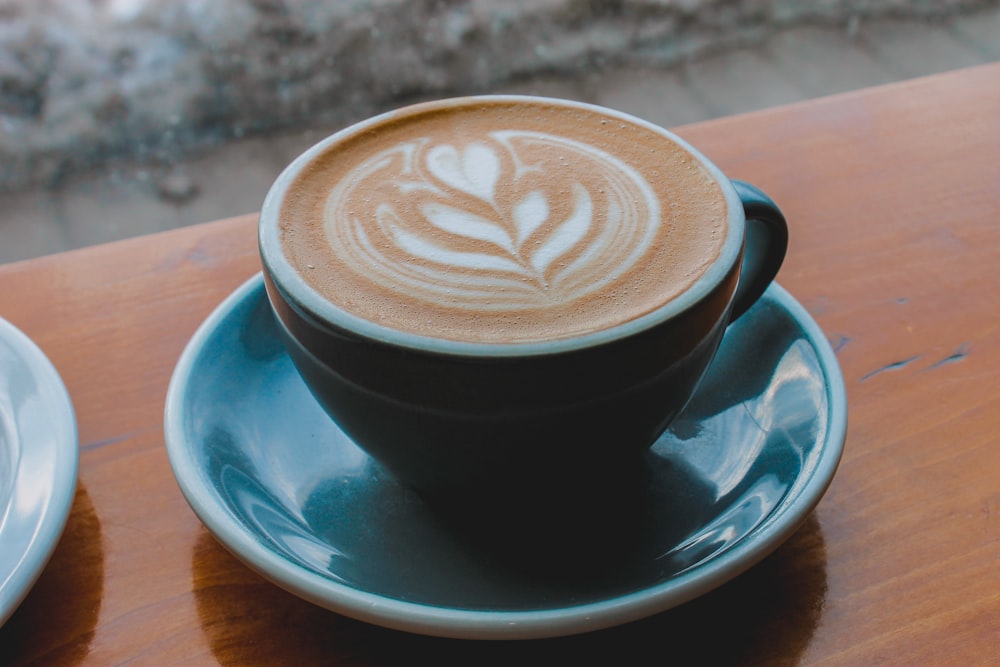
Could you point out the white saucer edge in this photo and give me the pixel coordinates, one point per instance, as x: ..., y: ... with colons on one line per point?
x: 52, y: 449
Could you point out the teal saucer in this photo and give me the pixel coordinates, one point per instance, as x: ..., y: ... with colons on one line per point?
x: 280, y: 485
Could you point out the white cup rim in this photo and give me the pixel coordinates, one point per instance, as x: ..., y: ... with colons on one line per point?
x: 291, y: 284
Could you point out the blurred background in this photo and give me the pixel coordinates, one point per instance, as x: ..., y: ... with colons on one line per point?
x: 125, y: 117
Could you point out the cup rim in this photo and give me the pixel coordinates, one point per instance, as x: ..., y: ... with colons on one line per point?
x: 292, y: 286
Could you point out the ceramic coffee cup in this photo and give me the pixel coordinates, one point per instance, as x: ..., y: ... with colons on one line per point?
x: 498, y: 294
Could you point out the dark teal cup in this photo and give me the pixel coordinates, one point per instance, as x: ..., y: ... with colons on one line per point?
x: 470, y: 421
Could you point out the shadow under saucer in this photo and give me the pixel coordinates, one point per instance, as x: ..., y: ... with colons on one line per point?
x: 767, y: 616
x: 56, y: 621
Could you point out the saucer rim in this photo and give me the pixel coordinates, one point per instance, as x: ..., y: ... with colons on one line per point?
x: 53, y: 453
x: 433, y: 620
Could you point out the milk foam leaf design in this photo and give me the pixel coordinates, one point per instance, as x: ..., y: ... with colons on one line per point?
x: 529, y: 214
x: 423, y: 249
x: 474, y: 172
x: 570, y: 232
x: 500, y: 223
x: 469, y: 225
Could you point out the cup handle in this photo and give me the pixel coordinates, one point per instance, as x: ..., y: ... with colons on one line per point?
x: 766, y: 243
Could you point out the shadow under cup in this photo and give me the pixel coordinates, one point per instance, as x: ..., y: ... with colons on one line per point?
x: 541, y: 439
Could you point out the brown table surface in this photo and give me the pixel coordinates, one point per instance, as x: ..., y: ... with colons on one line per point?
x: 893, y: 196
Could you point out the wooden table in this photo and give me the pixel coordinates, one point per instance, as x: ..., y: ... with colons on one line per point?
x: 894, y: 200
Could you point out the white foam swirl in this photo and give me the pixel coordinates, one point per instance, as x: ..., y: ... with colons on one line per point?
x: 510, y: 221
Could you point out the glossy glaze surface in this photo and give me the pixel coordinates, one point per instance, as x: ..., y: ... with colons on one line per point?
x: 285, y: 490
x: 38, y: 462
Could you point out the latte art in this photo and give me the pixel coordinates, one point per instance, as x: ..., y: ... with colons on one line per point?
x: 501, y: 220
x: 493, y: 224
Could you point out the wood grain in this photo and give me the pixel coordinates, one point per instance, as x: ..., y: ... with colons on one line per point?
x: 893, y: 197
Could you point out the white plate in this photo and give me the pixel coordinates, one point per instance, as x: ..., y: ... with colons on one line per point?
x: 39, y: 455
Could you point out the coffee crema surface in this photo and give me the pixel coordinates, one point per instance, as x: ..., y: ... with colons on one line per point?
x: 502, y: 221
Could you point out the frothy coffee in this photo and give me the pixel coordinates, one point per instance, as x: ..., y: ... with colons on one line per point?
x: 502, y: 221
